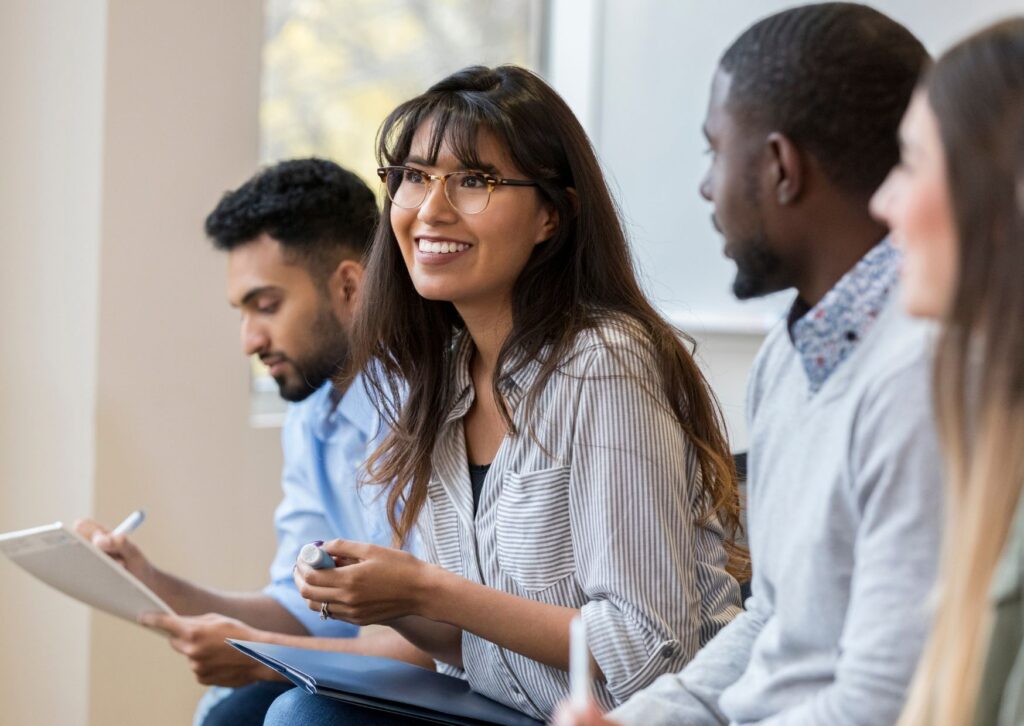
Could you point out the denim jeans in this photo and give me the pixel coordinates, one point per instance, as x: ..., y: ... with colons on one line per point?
x: 238, y: 706
x: 299, y: 708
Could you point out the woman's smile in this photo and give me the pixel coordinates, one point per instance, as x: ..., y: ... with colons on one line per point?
x: 437, y: 250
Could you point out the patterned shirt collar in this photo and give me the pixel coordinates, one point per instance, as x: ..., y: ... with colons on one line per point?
x: 826, y: 334
x: 519, y: 375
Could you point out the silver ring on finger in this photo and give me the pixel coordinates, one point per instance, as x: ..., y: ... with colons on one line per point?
x: 325, y: 613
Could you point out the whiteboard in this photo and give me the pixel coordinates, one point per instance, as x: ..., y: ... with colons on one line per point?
x: 637, y: 73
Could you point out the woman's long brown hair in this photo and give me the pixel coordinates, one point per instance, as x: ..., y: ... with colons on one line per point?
x: 977, y: 93
x: 583, y: 274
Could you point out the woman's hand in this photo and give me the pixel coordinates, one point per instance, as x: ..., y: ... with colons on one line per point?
x: 371, y: 585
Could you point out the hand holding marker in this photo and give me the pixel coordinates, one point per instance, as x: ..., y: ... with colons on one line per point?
x: 316, y: 557
x: 313, y: 555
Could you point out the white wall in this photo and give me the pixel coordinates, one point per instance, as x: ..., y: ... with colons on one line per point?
x: 637, y: 72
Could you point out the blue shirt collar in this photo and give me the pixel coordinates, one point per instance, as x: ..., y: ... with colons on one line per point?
x: 355, y: 407
x: 828, y: 333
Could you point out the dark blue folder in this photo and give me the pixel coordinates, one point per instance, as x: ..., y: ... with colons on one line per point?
x: 384, y: 684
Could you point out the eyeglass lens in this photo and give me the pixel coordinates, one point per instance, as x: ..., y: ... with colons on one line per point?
x: 467, y: 191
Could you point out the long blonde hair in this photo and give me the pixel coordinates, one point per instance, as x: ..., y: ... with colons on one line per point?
x: 977, y: 92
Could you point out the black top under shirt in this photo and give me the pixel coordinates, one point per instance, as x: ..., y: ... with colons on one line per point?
x: 477, y: 474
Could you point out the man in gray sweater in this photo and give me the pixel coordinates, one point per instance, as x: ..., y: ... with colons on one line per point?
x: 844, y: 478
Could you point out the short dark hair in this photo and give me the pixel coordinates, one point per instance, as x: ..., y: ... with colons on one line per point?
x: 835, y: 78
x: 315, y: 209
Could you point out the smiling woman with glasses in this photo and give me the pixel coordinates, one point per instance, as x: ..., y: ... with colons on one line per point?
x: 554, y: 441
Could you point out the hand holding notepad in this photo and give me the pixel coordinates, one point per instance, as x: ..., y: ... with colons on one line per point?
x: 66, y: 561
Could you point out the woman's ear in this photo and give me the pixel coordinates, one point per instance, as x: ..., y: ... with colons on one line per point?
x: 551, y: 218
x: 574, y: 200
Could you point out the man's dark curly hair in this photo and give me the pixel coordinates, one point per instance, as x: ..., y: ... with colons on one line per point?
x: 835, y: 78
x: 318, y: 212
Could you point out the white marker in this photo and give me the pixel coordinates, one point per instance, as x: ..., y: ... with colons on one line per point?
x: 579, y: 664
x: 130, y: 523
x: 311, y: 554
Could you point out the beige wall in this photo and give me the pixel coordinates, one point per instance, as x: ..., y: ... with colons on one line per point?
x: 182, y: 94
x: 122, y: 124
x: 51, y: 78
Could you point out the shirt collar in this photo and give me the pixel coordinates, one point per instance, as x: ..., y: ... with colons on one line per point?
x: 826, y: 334
x: 355, y: 407
x: 521, y: 372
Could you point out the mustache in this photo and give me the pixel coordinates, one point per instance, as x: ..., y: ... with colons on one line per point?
x: 269, y: 359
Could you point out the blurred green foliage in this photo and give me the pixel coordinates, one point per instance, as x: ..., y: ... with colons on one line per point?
x: 333, y: 69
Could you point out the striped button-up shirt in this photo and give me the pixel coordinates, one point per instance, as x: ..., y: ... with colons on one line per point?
x: 592, y: 505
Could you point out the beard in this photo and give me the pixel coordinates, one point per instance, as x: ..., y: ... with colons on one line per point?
x: 758, y: 269
x: 327, y: 357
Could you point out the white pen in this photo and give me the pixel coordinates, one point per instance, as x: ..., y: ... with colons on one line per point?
x: 579, y: 664
x: 130, y: 523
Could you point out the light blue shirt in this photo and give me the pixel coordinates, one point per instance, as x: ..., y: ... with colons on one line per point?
x: 325, y: 447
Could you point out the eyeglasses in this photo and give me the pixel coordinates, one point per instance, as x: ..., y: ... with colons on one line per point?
x: 467, y: 191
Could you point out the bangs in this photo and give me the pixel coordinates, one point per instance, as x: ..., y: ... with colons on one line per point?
x: 457, y: 121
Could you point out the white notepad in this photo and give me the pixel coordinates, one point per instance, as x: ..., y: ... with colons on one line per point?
x: 65, y: 560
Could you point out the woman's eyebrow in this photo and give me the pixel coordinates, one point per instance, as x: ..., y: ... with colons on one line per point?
x: 417, y: 160
x: 481, y: 166
x: 489, y: 168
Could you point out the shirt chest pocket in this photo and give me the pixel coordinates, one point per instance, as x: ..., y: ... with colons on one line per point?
x: 534, y: 545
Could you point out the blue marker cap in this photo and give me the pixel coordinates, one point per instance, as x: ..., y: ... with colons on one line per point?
x: 315, y: 557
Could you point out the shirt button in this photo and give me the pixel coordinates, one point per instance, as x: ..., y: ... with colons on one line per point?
x: 669, y: 649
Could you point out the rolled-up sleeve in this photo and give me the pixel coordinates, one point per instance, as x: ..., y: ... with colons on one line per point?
x: 651, y: 572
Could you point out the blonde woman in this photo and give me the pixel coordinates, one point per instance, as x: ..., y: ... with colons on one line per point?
x: 956, y: 205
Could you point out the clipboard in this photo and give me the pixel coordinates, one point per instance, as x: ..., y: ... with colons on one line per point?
x: 66, y: 561
x: 384, y: 684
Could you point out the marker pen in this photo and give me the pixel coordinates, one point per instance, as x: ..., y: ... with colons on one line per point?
x: 311, y: 554
x: 579, y: 664
x: 130, y: 523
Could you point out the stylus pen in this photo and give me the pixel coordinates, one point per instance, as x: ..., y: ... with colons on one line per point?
x: 579, y: 664
x: 130, y: 523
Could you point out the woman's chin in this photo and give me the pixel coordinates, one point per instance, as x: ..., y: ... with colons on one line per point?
x: 435, y: 290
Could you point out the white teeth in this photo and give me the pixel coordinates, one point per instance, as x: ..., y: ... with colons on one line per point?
x: 441, y: 248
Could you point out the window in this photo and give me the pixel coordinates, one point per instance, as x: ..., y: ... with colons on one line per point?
x: 333, y: 69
